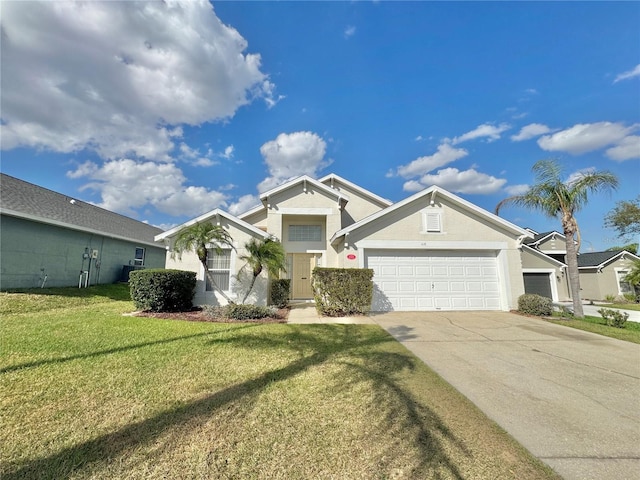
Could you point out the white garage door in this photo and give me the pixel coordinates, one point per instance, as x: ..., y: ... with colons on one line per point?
x: 434, y: 280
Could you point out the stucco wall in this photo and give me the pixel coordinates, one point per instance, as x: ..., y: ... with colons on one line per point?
x: 596, y: 285
x: 359, y: 205
x: 239, y: 281
x: 532, y: 261
x: 27, y: 247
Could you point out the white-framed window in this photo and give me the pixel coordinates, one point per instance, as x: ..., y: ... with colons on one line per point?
x: 623, y: 287
x: 305, y: 233
x: 219, y: 265
x: 138, y: 259
x: 432, y: 221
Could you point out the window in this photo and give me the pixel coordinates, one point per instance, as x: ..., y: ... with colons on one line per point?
x: 139, y: 258
x: 305, y: 233
x: 432, y: 221
x: 623, y: 287
x: 219, y: 266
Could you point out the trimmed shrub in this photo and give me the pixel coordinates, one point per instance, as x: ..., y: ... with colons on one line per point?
x: 247, y: 312
x: 342, y: 291
x: 614, y: 318
x: 280, y: 292
x: 160, y: 290
x: 533, y: 304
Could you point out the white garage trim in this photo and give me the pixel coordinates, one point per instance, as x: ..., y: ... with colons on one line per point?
x: 428, y: 245
x: 425, y: 279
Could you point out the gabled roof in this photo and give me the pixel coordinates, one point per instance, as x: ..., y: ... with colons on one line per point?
x: 600, y: 259
x: 541, y: 237
x: 212, y: 215
x: 434, y: 191
x: 28, y: 201
x: 305, y: 179
x: 537, y: 252
x: 332, y: 178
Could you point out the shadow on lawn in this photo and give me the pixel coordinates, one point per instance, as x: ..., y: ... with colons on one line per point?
x: 345, y: 345
x: 109, y: 351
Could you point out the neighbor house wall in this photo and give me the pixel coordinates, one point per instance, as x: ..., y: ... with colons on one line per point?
x: 29, y: 250
x: 596, y: 285
x: 532, y: 261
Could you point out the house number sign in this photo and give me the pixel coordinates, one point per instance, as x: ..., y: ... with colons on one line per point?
x: 351, y: 256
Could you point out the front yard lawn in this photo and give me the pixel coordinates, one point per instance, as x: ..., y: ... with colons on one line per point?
x: 90, y: 393
x: 630, y: 332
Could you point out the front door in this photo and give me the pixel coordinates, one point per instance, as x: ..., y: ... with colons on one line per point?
x: 302, y: 267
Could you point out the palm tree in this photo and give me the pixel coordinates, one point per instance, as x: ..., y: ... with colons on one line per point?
x: 267, y: 254
x: 561, y: 199
x: 633, y: 277
x: 199, y: 237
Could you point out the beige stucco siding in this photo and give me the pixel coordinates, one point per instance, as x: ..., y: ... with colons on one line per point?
x: 258, y: 219
x: 238, y: 282
x: 359, y: 205
x: 596, y: 285
x: 553, y: 245
x: 537, y: 262
x: 461, y: 230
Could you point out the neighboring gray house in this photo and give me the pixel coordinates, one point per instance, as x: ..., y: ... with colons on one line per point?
x: 50, y: 239
x: 602, y: 273
x: 545, y: 271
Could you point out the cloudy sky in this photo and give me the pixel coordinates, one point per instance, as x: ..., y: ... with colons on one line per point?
x: 165, y: 110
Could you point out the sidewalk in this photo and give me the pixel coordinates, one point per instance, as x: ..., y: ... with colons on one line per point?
x: 306, y: 313
x: 592, y: 310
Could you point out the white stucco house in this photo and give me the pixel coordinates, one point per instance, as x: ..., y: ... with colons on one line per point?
x: 430, y: 251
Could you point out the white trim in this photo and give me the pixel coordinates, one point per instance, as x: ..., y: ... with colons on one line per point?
x: 333, y: 177
x: 617, y: 271
x: 77, y: 228
x: 552, y: 279
x: 441, y: 192
x: 305, y: 179
x: 256, y: 209
x: 427, y: 245
x: 304, y: 211
x: 209, y: 215
x: 621, y: 253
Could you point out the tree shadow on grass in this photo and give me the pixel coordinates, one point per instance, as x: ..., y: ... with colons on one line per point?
x: 315, y: 345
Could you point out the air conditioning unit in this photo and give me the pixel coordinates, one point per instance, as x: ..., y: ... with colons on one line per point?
x: 94, y: 253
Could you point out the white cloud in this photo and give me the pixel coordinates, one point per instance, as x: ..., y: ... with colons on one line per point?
x: 578, y: 174
x: 350, y: 31
x: 115, y: 77
x: 445, y: 155
x: 517, y: 189
x: 491, y: 132
x: 228, y: 152
x: 467, y: 181
x: 291, y: 155
x: 530, y: 131
x: 635, y: 72
x: 244, y: 204
x: 626, y: 149
x: 582, y: 138
x: 125, y: 185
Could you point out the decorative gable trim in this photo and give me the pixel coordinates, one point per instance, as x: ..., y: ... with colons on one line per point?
x: 306, y: 181
x: 332, y: 179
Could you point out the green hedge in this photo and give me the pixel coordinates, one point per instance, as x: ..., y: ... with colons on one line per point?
x: 280, y: 292
x: 533, y: 304
x: 342, y: 291
x: 160, y: 290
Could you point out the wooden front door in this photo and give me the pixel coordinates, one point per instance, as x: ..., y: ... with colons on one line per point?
x: 302, y: 267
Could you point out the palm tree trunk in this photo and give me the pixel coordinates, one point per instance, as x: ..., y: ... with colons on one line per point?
x: 246, y: 295
x: 215, y: 285
x: 572, y: 271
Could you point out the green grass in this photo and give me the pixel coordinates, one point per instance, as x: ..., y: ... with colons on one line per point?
x: 90, y: 393
x: 630, y: 332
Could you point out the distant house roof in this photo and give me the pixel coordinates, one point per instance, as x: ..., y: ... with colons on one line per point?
x: 600, y: 259
x: 539, y: 237
x: 28, y: 201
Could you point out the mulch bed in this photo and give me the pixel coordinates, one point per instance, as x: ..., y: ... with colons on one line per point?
x: 198, y: 315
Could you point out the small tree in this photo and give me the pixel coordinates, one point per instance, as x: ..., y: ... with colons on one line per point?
x: 625, y: 218
x: 198, y: 237
x: 267, y: 254
x: 558, y: 198
x: 633, y: 277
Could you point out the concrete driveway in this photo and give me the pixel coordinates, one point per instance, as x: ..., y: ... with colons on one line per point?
x: 572, y: 398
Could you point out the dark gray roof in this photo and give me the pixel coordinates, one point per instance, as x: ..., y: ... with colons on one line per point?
x: 26, y: 200
x: 539, y: 236
x: 594, y: 259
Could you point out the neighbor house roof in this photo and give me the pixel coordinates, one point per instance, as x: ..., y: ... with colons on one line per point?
x: 213, y: 214
x: 434, y: 192
x: 600, y: 259
x: 541, y: 237
x: 28, y: 201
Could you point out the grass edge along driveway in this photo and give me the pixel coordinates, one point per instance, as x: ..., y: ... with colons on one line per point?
x: 89, y: 393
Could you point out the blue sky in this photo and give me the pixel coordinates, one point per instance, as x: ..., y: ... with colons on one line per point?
x: 163, y: 111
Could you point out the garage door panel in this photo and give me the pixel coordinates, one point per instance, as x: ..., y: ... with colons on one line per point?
x: 423, y: 280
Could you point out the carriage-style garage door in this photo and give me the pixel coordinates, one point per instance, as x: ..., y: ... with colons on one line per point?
x: 434, y: 280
